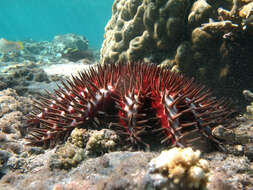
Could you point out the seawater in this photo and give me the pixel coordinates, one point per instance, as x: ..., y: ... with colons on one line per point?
x: 43, y: 19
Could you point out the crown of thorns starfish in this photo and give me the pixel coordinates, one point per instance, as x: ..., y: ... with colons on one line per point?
x: 138, y: 100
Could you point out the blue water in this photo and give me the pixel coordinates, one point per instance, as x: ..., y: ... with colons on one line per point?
x: 43, y: 19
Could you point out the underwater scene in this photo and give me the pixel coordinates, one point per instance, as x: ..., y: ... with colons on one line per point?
x: 126, y: 94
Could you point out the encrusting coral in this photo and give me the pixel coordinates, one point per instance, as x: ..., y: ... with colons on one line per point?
x: 183, y: 167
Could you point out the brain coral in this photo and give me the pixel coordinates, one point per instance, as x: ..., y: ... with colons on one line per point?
x: 142, y: 28
x: 210, y: 40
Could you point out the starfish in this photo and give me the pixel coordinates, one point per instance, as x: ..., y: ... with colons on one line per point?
x: 138, y: 100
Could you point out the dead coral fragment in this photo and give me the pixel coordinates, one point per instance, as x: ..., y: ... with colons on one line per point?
x: 183, y: 166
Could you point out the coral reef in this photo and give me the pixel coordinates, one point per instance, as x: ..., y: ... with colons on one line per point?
x: 70, y: 46
x: 210, y: 40
x: 183, y: 168
x: 199, y: 38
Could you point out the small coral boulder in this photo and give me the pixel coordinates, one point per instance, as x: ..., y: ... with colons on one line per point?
x: 180, y: 168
